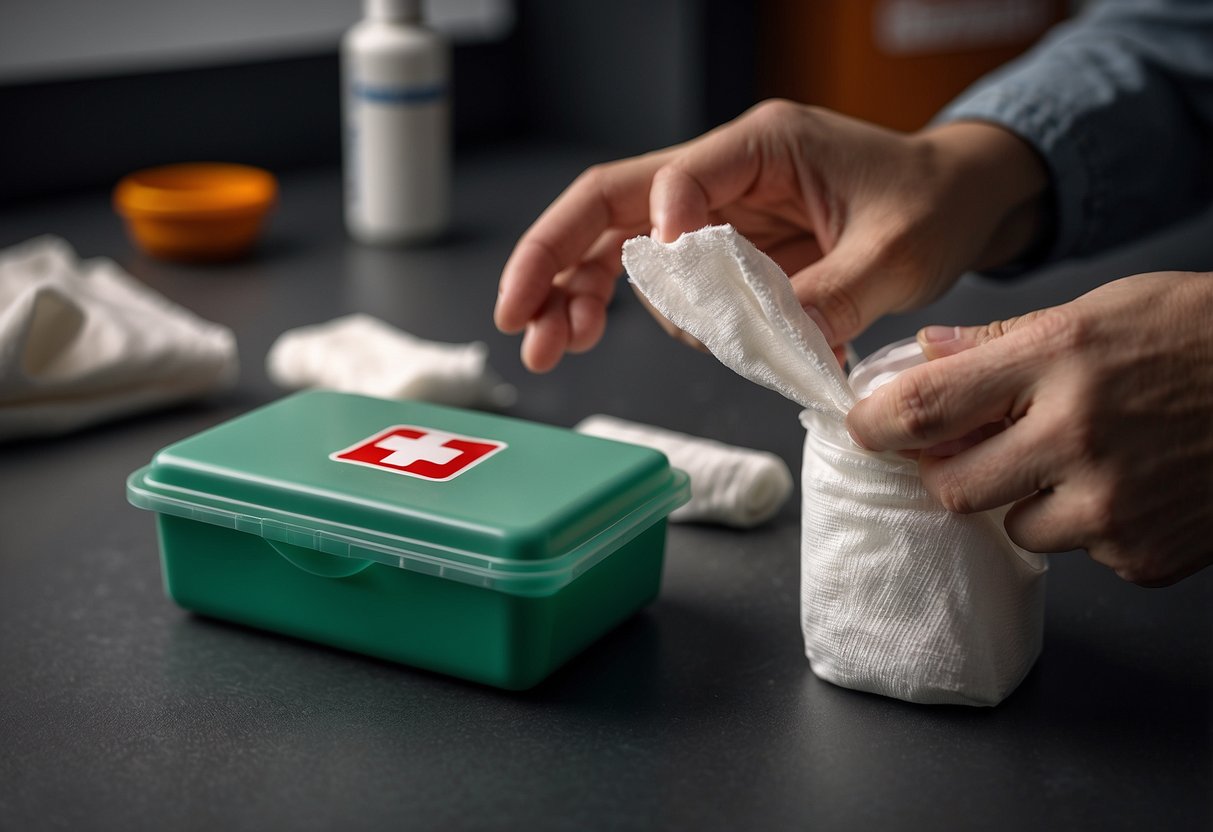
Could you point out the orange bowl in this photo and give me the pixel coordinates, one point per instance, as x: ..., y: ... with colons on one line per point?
x: 196, y: 211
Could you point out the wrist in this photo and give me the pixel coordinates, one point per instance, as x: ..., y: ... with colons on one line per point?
x: 993, y: 185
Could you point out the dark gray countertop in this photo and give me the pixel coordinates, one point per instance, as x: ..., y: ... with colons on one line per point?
x: 120, y: 711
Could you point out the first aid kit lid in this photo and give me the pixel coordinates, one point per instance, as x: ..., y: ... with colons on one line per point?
x: 476, y: 497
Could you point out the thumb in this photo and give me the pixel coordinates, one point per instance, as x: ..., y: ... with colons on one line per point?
x: 853, y: 284
x: 940, y: 341
x: 846, y: 290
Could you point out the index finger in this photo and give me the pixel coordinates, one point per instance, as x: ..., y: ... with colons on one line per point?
x: 612, y: 195
x: 943, y: 400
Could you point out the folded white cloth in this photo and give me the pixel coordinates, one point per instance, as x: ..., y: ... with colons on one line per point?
x: 898, y: 596
x: 82, y: 341
x: 730, y: 485
x: 362, y: 354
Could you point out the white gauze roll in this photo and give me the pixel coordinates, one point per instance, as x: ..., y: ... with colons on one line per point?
x: 735, y: 486
x: 898, y: 596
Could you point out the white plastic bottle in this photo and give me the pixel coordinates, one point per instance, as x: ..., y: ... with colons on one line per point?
x: 396, y: 98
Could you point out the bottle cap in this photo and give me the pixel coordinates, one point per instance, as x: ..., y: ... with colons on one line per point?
x: 393, y: 11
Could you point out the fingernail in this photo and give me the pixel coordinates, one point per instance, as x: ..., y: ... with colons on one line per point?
x: 939, y: 334
x: 667, y: 236
x: 855, y: 439
x: 498, y: 319
x: 815, y: 314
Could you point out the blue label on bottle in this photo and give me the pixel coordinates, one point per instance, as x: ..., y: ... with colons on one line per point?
x: 420, y: 94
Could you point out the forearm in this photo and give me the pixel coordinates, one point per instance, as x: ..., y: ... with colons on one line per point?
x: 989, y: 178
x: 1118, y: 104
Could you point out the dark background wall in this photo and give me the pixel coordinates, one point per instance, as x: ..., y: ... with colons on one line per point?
x: 131, y: 83
x: 628, y: 76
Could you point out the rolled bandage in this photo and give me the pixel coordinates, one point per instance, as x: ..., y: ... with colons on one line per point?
x: 730, y: 485
x: 899, y: 596
x: 362, y: 354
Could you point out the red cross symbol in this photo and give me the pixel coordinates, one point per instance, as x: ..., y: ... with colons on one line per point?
x: 424, y: 453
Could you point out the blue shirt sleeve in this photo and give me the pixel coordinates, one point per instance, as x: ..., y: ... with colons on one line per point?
x: 1119, y: 104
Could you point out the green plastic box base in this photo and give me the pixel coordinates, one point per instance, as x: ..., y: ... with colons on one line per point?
x: 509, y: 641
x: 498, y: 574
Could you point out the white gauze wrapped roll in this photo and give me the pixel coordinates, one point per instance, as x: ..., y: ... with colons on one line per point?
x: 735, y: 486
x: 898, y: 596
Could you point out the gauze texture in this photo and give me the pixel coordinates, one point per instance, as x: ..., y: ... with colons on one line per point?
x: 362, y: 354
x: 898, y: 596
x: 739, y: 487
x: 82, y: 342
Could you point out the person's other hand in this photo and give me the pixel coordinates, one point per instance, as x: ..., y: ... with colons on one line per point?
x: 864, y: 220
x: 1108, y: 408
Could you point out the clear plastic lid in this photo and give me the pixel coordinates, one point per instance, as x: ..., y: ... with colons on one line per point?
x: 884, y: 365
x: 527, y: 517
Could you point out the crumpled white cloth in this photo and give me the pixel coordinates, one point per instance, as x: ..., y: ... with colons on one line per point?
x: 898, y: 596
x: 735, y: 486
x: 362, y: 354
x: 82, y: 342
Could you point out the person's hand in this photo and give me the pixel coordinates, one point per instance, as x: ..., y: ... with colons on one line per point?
x: 1097, y: 419
x: 864, y: 220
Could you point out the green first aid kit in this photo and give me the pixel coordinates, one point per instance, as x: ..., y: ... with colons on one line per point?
x: 471, y: 544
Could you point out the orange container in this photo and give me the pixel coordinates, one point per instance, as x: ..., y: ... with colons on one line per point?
x: 892, y: 62
x: 196, y: 211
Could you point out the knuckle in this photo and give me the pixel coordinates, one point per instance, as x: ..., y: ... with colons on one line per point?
x: 1144, y: 568
x: 1061, y: 331
x: 1097, y: 516
x: 951, y: 492
x: 841, y: 310
x: 772, y: 110
x: 593, y: 177
x: 1078, y: 438
x: 540, y: 254
x: 917, y: 408
x: 665, y: 175
x: 996, y: 329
